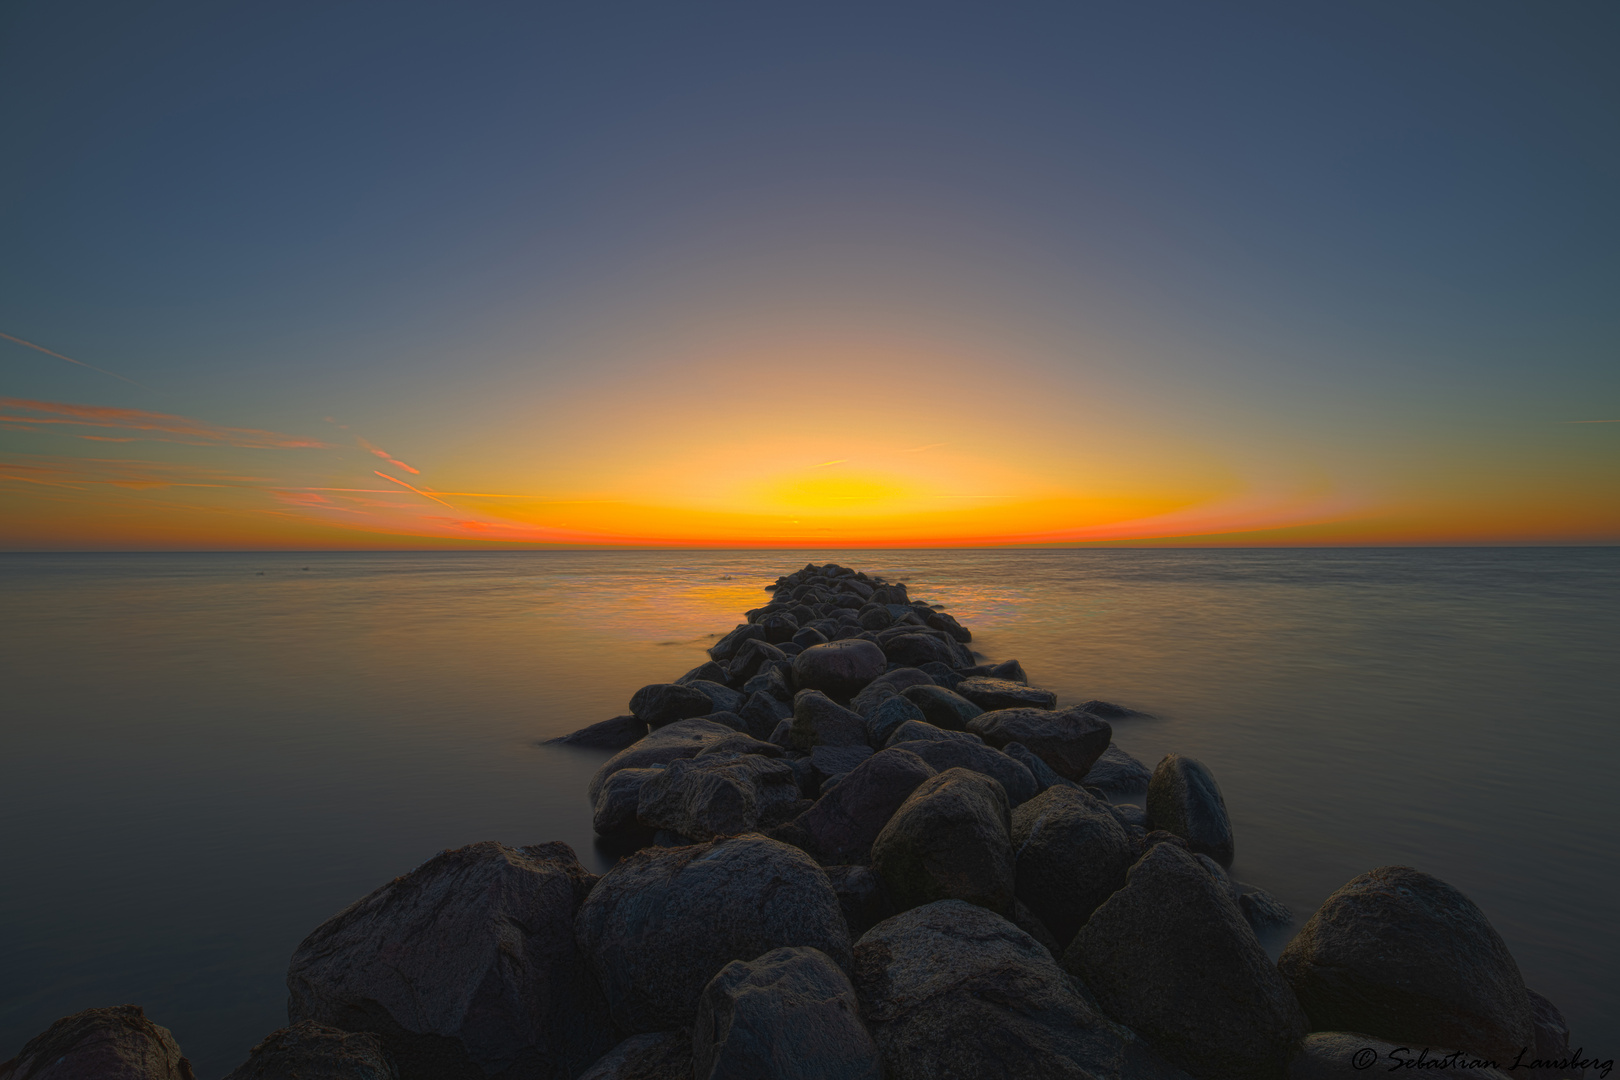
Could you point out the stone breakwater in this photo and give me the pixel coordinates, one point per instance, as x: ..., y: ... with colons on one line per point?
x: 853, y: 849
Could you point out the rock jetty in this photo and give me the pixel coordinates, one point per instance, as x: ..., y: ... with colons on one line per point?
x: 853, y: 849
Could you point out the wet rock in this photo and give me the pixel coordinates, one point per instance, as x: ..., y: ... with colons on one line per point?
x: 1118, y: 773
x: 922, y: 731
x: 614, y: 734
x: 722, y: 698
x: 715, y: 795
x: 955, y: 991
x: 882, y: 721
x: 466, y: 966
x: 664, y: 703
x: 843, y: 823
x: 682, y: 739
x: 941, y: 707
x: 1401, y: 955
x: 915, y: 650
x: 790, y: 1014
x: 819, y: 721
x: 613, y: 814
x: 1069, y: 856
x: 779, y: 626
x: 1040, y: 770
x: 839, y: 669
x: 117, y: 1043
x: 1171, y: 957
x: 949, y: 840
x: 1069, y: 741
x: 661, y: 1055
x: 708, y: 671
x: 663, y: 922
x: 761, y: 712
x: 947, y: 753
x: 992, y: 694
x: 940, y: 620
x: 808, y: 636
x: 1344, y: 1055
x: 311, y: 1051
x: 862, y: 895
x: 1551, y: 1046
x: 752, y: 658
x: 1263, y: 910
x: 726, y: 648
x: 1184, y: 799
x: 1108, y: 710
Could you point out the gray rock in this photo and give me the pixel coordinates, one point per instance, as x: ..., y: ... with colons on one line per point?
x: 722, y: 698
x: 882, y: 720
x: 839, y: 669
x: 762, y: 712
x: 819, y: 721
x: 951, y: 991
x: 614, y: 812
x: 831, y: 761
x: 950, y: 840
x: 1184, y: 799
x: 947, y: 753
x: 661, y: 1055
x: 1069, y: 856
x: 783, y: 735
x: 993, y: 694
x: 663, y: 922
x: 741, y: 743
x: 874, y: 617
x: 808, y: 636
x: 1216, y: 871
x: 682, y: 739
x: 1263, y: 910
x: 1171, y: 957
x: 1131, y: 816
x: 311, y: 1051
x: 1069, y: 741
x: 726, y: 648
x: 940, y: 620
x: 117, y: 1043
x: 1118, y: 773
x: 716, y: 795
x: 915, y: 650
x: 843, y: 823
x: 788, y: 1015
x: 730, y: 720
x: 779, y: 626
x: 941, y: 707
x: 943, y: 674
x: 664, y: 703
x: 862, y: 895
x: 886, y: 686
x: 1040, y: 770
x: 1343, y: 1055
x: 614, y: 734
x: 1403, y: 956
x: 753, y: 657
x: 923, y: 731
x: 1552, y: 1042
x: 769, y: 680
x: 466, y: 966
x: 708, y: 671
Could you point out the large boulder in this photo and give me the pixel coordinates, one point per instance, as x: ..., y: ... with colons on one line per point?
x: 717, y: 794
x: 614, y: 812
x: 1171, y: 957
x: 682, y: 739
x: 466, y: 967
x: 915, y: 650
x: 1347, y: 1055
x: 820, y: 721
x: 663, y: 922
x: 992, y: 694
x: 1071, y: 856
x: 941, y: 707
x: 664, y: 703
x: 117, y: 1043
x: 1402, y: 956
x: 311, y: 1051
x: 753, y: 659
x: 952, y: 991
x: 1117, y: 773
x: 842, y: 824
x: 659, y: 1055
x: 790, y: 1014
x: 1069, y: 741
x: 950, y: 840
x: 947, y: 753
x: 614, y: 734
x: 1184, y: 799
x: 839, y: 669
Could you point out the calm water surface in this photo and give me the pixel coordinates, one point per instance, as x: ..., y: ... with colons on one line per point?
x: 207, y: 755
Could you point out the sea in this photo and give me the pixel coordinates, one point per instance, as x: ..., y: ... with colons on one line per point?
x: 204, y: 756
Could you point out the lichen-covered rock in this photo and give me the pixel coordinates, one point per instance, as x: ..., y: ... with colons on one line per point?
x: 660, y: 924
x: 967, y: 753
x: 117, y: 1043
x: 952, y: 991
x: 942, y: 707
x: 1069, y: 856
x: 950, y: 840
x: 1402, y: 956
x: 1117, y: 773
x: 311, y: 1051
x: 682, y: 739
x: 843, y: 823
x: 1184, y: 799
x: 790, y: 1014
x: 1347, y: 1055
x: 820, y: 721
x: 1069, y: 741
x: 466, y: 967
x: 664, y: 703
x: 716, y: 794
x: 1171, y: 957
x: 614, y: 734
x: 659, y: 1055
x: 993, y: 694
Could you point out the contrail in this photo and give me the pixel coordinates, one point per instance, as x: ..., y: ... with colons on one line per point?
x: 418, y: 490
x: 70, y: 360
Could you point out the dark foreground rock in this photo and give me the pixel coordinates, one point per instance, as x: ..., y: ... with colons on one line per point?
x: 941, y: 707
x: 862, y: 895
x: 820, y: 721
x: 1117, y: 773
x: 1171, y: 957
x: 664, y: 703
x: 1069, y: 741
x: 660, y: 1055
x: 950, y: 840
x: 117, y: 1043
x: 952, y: 991
x: 1345, y: 1055
x: 839, y: 669
x: 1552, y: 1041
x: 311, y: 1051
x: 961, y: 750
x: 672, y: 742
x: 1402, y: 956
x: 790, y: 1014
x: 717, y: 794
x: 842, y: 824
x: 663, y: 922
x: 1184, y: 799
x: 466, y: 967
x: 614, y: 734
x: 1071, y: 855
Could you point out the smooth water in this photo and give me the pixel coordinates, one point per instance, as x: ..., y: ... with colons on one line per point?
x: 206, y: 755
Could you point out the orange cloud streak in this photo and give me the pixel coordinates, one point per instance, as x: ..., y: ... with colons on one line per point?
x: 156, y: 425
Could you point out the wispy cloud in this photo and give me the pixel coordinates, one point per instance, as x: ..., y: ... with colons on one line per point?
x: 69, y: 359
x: 824, y: 464
x: 386, y: 456
x: 419, y: 491
x: 157, y: 427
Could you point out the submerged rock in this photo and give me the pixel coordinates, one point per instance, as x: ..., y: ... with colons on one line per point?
x: 950, y: 840
x: 992, y: 694
x: 465, y: 967
x: 1401, y: 955
x: 311, y: 1051
x: 117, y: 1043
x: 839, y: 669
x: 1069, y: 741
x: 1184, y: 799
x: 614, y: 734
x: 1070, y: 856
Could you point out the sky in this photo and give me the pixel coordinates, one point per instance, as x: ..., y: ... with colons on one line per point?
x: 335, y: 275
